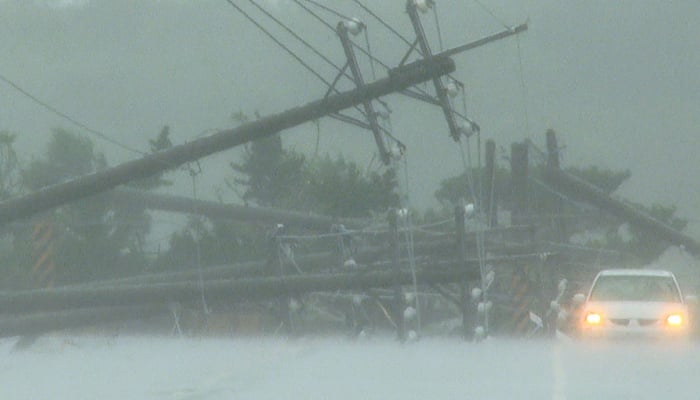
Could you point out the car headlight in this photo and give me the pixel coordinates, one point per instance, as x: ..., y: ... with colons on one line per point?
x: 674, y: 320
x: 593, y: 318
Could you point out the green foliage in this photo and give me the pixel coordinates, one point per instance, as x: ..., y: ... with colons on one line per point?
x: 270, y: 175
x: 604, y: 179
x: 162, y: 142
x: 453, y: 190
x: 93, y: 237
x: 340, y: 188
x: 546, y: 206
x: 10, y: 174
x: 644, y: 245
x: 220, y: 242
x: 68, y: 156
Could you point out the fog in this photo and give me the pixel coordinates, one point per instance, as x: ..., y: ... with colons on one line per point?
x: 70, y: 367
x: 617, y: 81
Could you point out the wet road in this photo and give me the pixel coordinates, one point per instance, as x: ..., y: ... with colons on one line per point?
x: 172, y: 368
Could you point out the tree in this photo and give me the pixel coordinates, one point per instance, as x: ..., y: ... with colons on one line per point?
x: 10, y: 174
x: 14, y: 249
x: 270, y: 175
x: 340, y: 188
x: 93, y: 237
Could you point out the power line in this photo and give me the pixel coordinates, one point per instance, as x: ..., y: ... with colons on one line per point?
x: 67, y: 117
x: 330, y: 10
x: 360, y: 48
x: 288, y: 29
x: 492, y: 14
x: 381, y: 21
x: 282, y: 45
x: 287, y: 49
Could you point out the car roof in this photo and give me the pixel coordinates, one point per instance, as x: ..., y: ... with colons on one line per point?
x: 636, y: 272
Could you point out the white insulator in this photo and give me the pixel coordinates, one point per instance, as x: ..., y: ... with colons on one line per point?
x: 409, y: 313
x: 395, y: 152
x: 481, y: 307
x: 412, y: 336
x: 362, y: 334
x: 554, y: 305
x: 423, y: 5
x: 488, y: 305
x: 350, y: 262
x: 469, y: 209
x: 354, y: 26
x: 578, y: 299
x: 294, y: 305
x: 476, y: 293
x: 357, y: 299
x: 452, y: 89
x: 562, y: 315
x: 490, y: 276
x: 409, y: 297
x: 467, y: 129
x: 562, y: 285
x: 479, y: 332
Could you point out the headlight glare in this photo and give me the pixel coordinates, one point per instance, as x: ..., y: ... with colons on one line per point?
x: 593, y: 318
x: 674, y: 320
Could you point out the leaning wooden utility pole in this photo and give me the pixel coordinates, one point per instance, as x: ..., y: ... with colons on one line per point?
x: 399, y: 303
x: 56, y: 195
x: 580, y: 189
x: 519, y: 177
x: 489, y: 184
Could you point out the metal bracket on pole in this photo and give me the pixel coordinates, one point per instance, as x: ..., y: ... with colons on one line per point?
x: 437, y: 82
x: 370, y: 114
x: 331, y: 88
x: 408, y: 53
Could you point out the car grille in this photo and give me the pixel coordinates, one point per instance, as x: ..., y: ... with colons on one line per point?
x: 647, y: 322
x: 620, y: 321
x: 626, y: 321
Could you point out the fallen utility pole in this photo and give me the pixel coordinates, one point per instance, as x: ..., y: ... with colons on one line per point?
x: 232, y: 290
x: 580, y: 189
x: 217, y: 211
x: 34, y: 324
x: 312, y: 263
x: 220, y: 291
x: 88, y: 185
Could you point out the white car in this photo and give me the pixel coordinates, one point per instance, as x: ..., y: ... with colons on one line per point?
x: 625, y: 303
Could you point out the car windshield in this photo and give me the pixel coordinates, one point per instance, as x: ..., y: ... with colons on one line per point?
x: 635, y: 288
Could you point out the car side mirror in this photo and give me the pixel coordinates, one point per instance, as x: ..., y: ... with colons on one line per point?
x: 691, y: 299
x: 578, y: 299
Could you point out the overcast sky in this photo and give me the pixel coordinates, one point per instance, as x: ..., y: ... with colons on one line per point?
x: 617, y: 80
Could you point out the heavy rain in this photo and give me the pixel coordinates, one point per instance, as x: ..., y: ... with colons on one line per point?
x: 314, y: 199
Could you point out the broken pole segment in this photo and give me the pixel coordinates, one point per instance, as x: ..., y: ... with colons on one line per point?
x: 151, y: 164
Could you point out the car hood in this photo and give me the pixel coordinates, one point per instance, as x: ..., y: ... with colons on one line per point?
x: 634, y: 309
